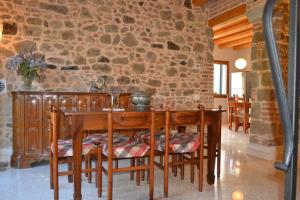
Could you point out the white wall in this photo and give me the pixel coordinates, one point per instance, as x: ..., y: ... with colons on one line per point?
x: 230, y: 55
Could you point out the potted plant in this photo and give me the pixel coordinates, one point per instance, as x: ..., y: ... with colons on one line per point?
x: 28, y: 65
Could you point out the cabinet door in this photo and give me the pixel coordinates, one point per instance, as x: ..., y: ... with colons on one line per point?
x: 82, y: 101
x: 125, y: 101
x: 65, y: 101
x: 33, y: 124
x: 48, y: 100
x: 99, y: 101
x: 18, y: 124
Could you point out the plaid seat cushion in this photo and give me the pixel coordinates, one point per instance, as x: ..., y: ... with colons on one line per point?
x: 65, y: 148
x: 180, y: 143
x: 102, y: 138
x: 144, y: 136
x: 127, y: 149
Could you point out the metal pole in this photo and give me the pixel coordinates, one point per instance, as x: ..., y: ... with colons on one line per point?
x: 293, y: 96
x: 288, y: 104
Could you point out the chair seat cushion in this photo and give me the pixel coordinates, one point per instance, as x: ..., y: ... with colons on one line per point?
x: 144, y: 136
x: 180, y: 143
x: 102, y: 138
x: 65, y: 147
x: 127, y: 149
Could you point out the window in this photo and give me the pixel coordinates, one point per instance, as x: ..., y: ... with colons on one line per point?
x: 237, y: 84
x: 221, y: 78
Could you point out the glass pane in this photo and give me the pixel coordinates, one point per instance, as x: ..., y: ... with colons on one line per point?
x: 237, y: 86
x: 217, y: 73
x: 224, y: 79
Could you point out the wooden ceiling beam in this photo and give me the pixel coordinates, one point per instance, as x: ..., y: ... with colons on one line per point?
x: 231, y: 22
x: 236, y: 36
x: 199, y: 2
x: 233, y: 30
x: 236, y: 43
x: 242, y: 46
x: 240, y: 10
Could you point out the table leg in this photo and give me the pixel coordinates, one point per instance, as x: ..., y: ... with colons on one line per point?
x: 214, y: 132
x: 76, y: 130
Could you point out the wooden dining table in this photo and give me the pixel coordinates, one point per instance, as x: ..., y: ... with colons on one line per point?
x: 81, y: 119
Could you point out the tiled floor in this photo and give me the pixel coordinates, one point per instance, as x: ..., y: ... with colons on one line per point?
x: 256, y: 179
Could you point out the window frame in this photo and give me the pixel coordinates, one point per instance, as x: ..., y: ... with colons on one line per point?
x: 223, y: 62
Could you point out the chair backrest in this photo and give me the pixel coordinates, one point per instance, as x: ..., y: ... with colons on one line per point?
x: 128, y: 120
x: 53, y: 129
x: 185, y: 118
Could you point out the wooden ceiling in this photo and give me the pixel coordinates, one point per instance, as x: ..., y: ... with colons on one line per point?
x: 232, y: 29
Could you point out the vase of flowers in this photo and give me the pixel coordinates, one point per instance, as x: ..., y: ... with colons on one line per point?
x: 28, y: 65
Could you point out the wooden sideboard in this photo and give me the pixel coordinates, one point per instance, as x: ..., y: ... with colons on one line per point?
x: 31, y: 125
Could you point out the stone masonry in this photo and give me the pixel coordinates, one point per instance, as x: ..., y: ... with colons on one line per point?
x: 265, y: 121
x: 163, y: 47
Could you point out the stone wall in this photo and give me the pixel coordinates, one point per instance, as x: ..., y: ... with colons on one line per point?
x: 217, y: 7
x: 163, y: 47
x: 265, y: 121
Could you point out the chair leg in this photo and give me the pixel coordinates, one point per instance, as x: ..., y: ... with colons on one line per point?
x: 192, y: 167
x: 109, y: 179
x: 116, y: 164
x: 143, y: 171
x: 172, y: 160
x: 89, y: 160
x: 99, y: 172
x: 51, y: 170
x: 229, y: 120
x: 166, y: 173
x: 138, y: 172
x: 181, y: 167
x: 86, y: 164
x: 219, y: 160
x: 175, y: 166
x: 55, y: 178
x: 132, y: 164
x: 148, y: 171
x: 200, y: 169
x: 70, y: 168
x: 236, y: 123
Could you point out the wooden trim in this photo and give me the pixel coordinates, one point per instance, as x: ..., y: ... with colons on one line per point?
x: 240, y: 10
x: 199, y: 2
x: 227, y: 79
x: 236, y: 42
x: 237, y: 36
x: 233, y: 30
x: 221, y: 96
x: 230, y: 22
x: 242, y: 46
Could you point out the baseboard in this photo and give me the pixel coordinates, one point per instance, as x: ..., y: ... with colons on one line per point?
x: 265, y: 152
x: 5, y: 154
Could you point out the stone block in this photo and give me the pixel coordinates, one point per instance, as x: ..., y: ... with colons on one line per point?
x: 172, y: 46
x: 60, y: 9
x: 9, y: 28
x: 266, y: 79
x: 255, y: 110
x: 265, y: 95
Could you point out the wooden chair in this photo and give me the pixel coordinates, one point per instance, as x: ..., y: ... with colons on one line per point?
x: 230, y: 110
x: 127, y: 149
x: 181, y: 144
x: 242, y: 115
x: 61, y: 151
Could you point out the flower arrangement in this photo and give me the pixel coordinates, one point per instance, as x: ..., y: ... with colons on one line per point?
x: 28, y: 65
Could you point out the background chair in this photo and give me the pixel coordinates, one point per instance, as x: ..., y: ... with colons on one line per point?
x: 61, y: 151
x: 127, y: 149
x: 230, y: 110
x: 242, y: 113
x: 181, y: 144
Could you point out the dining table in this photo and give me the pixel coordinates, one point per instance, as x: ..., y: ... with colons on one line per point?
x: 82, y: 119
